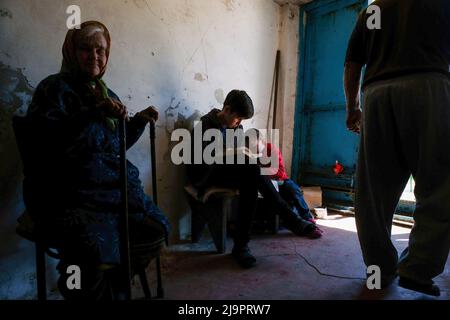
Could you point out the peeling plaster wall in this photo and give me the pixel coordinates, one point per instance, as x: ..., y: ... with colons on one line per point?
x: 17, y: 269
x: 181, y: 56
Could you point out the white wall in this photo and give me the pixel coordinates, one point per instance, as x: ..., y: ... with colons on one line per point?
x: 181, y: 56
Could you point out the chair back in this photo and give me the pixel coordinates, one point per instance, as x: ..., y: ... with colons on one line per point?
x: 23, y: 128
x: 41, y: 194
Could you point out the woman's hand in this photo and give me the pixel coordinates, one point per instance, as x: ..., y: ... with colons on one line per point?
x: 149, y: 114
x: 114, y: 108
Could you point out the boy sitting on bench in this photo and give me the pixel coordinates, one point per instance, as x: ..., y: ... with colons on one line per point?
x: 245, y: 177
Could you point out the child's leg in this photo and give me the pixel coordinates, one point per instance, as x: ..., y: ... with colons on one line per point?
x: 292, y: 193
x: 291, y: 219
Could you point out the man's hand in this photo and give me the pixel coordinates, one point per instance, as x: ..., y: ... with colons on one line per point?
x: 352, y: 78
x: 354, y: 120
x: 114, y: 108
x: 149, y: 114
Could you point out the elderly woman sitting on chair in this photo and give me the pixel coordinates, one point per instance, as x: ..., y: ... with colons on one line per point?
x: 76, y: 194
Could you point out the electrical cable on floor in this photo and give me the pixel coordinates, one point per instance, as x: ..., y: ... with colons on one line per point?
x: 320, y: 272
x: 317, y: 270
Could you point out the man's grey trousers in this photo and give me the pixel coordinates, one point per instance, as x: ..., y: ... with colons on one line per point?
x: 405, y: 130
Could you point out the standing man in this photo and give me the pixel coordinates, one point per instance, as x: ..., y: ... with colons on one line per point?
x: 405, y: 129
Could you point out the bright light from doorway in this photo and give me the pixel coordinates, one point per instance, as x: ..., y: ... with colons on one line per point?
x: 408, y: 193
x: 348, y: 224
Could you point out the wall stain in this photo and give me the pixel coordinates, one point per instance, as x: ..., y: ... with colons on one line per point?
x: 129, y: 96
x: 292, y: 13
x: 187, y: 11
x: 15, y: 96
x: 169, y: 114
x: 5, y: 53
x: 187, y: 122
x: 176, y: 118
x: 230, y: 4
x: 140, y: 4
x: 200, y: 77
x: 5, y: 13
x: 218, y: 93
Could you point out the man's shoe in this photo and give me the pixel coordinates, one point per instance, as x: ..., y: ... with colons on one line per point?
x: 430, y: 289
x: 387, y: 280
x: 244, y: 257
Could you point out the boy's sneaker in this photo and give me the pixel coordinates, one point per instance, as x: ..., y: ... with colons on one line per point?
x: 312, y: 220
x: 243, y: 256
x: 430, y: 289
x: 314, y: 233
x: 304, y: 228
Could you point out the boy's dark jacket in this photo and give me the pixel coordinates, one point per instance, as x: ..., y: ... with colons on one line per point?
x: 199, y: 174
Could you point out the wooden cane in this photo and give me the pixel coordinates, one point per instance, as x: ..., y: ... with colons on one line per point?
x: 160, y: 291
x: 153, y: 160
x: 123, y: 221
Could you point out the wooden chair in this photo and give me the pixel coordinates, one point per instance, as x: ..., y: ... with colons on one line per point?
x: 29, y: 229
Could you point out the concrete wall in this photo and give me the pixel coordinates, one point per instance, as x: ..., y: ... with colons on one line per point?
x: 181, y: 56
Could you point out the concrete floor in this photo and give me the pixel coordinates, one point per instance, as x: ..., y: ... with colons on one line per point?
x: 288, y: 268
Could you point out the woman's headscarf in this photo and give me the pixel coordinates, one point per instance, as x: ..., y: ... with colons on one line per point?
x: 70, y: 62
x: 88, y: 28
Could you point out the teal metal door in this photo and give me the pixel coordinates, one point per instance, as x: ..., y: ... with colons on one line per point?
x: 320, y: 136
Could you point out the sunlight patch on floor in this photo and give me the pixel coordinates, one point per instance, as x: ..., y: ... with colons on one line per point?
x: 348, y: 224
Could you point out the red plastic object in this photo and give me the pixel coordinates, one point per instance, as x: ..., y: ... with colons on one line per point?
x: 338, y: 168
